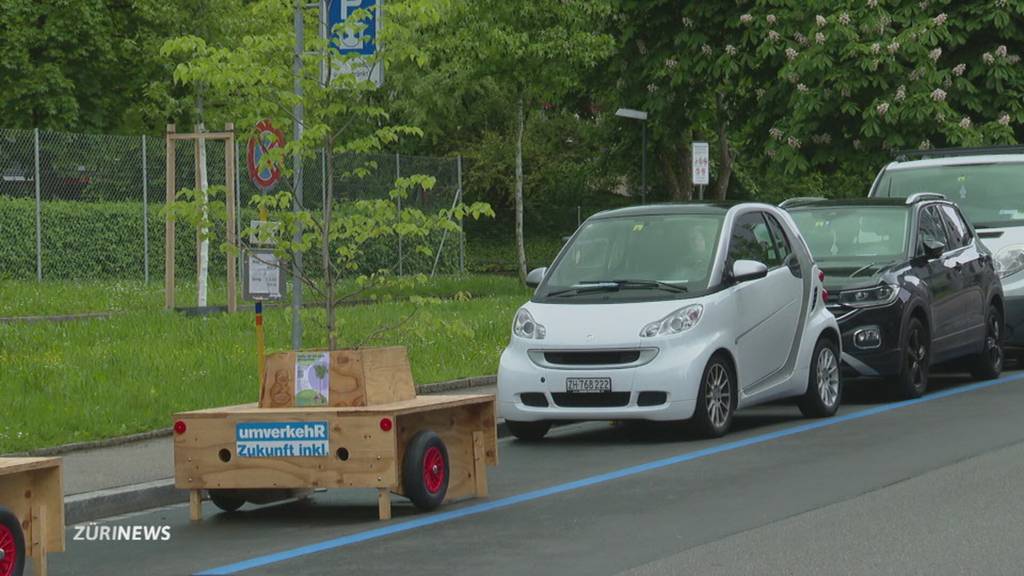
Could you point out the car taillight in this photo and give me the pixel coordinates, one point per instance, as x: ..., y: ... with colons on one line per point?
x: 824, y: 296
x: 821, y: 275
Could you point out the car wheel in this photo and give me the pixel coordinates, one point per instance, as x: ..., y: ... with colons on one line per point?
x: 824, y: 386
x: 226, y: 500
x: 989, y: 363
x: 12, y: 545
x: 913, y: 377
x: 716, y: 399
x: 528, y: 431
x: 425, y: 470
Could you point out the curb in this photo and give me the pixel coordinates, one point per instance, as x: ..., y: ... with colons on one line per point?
x: 91, y: 506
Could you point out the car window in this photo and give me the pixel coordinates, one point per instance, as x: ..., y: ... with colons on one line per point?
x: 751, y: 240
x: 959, y: 235
x: 930, y: 227
x: 779, y: 237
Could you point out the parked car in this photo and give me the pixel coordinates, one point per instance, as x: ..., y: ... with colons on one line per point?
x: 987, y: 185
x: 910, y: 284
x: 672, y: 312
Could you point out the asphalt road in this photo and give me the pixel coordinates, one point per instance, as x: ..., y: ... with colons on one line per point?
x: 925, y: 487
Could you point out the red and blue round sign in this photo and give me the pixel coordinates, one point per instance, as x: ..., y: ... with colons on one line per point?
x: 267, y: 138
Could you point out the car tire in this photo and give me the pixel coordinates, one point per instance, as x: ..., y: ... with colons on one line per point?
x: 227, y: 500
x: 425, y: 470
x: 989, y: 363
x: 12, y: 542
x: 912, y: 380
x: 528, y: 431
x: 716, y: 399
x: 824, y: 383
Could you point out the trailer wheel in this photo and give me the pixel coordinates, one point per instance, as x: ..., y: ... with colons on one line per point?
x: 226, y: 500
x: 425, y: 470
x: 12, y: 545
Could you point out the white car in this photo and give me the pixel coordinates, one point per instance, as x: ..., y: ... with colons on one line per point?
x: 672, y: 312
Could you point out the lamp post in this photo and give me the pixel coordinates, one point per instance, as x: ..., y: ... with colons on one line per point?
x: 642, y: 117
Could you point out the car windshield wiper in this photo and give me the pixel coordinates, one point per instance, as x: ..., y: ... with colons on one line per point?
x: 878, y: 264
x: 615, y: 285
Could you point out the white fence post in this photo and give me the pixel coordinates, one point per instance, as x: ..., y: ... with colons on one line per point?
x: 398, y: 174
x: 462, y: 231
x: 145, y: 213
x: 39, y: 217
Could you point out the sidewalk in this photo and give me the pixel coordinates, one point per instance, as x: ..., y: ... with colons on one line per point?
x: 115, y: 480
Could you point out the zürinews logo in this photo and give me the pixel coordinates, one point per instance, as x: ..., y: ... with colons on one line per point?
x: 281, y: 439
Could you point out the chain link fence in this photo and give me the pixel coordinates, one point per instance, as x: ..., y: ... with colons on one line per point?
x: 85, y: 206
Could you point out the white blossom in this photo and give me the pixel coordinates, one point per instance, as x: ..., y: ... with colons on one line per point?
x: 770, y: 152
x: 1013, y: 58
x: 935, y: 54
x: 876, y: 48
x: 671, y: 63
x: 775, y: 133
x: 773, y: 36
x: 923, y: 4
x: 746, y: 18
x: 760, y: 92
x: 844, y: 92
x: 939, y: 95
x: 856, y: 144
x: 893, y: 47
x: 959, y: 69
x: 1004, y: 120
x: 882, y: 108
x: 925, y: 144
x: 819, y: 38
x: 820, y: 20
x: 652, y: 87
x: 730, y: 50
x: 988, y: 58
x: 800, y: 39
x: 872, y: 3
x: 901, y: 93
x: 940, y: 19
x: 844, y: 19
x: 791, y: 54
x: 793, y: 142
x: 1001, y: 51
x: 801, y: 87
x: 771, y: 19
x: 687, y: 22
x: 965, y: 122
x: 705, y: 49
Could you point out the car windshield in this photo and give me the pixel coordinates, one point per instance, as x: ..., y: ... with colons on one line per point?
x: 990, y: 195
x: 645, y: 257
x: 872, y: 233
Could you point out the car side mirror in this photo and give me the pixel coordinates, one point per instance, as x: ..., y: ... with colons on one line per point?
x: 934, y: 248
x: 745, y: 270
x: 535, y: 277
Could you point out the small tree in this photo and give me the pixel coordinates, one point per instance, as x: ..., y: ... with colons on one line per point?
x: 343, y: 115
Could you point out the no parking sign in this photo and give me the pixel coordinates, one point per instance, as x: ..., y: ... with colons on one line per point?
x: 266, y: 139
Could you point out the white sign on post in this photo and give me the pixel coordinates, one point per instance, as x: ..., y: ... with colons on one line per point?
x: 701, y: 163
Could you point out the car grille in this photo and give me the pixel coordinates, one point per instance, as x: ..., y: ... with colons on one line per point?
x: 592, y: 357
x: 586, y: 400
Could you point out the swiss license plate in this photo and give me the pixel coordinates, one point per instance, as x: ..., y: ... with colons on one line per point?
x: 588, y: 385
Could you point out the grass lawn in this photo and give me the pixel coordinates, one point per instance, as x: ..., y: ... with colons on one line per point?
x: 90, y: 379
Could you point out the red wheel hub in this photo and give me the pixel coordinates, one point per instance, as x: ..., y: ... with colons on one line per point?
x: 433, y: 469
x: 10, y: 556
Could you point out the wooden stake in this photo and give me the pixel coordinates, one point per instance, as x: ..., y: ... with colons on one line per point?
x: 169, y: 225
x: 39, y: 540
x: 195, y: 505
x: 384, y: 503
x: 230, y: 195
x: 479, y: 464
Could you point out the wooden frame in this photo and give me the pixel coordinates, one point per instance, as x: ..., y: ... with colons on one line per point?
x: 228, y: 137
x: 33, y: 490
x: 205, y: 451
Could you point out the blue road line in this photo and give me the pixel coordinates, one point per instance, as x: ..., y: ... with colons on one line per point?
x: 506, y: 502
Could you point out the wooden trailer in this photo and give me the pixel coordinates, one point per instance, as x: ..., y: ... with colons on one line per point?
x: 31, y: 513
x: 376, y: 433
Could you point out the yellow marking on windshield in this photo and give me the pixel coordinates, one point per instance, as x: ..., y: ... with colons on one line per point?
x: 638, y: 227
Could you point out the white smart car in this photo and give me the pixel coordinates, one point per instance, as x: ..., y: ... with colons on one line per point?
x: 672, y: 312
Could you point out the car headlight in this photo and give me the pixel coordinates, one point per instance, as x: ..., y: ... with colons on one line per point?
x: 679, y: 321
x: 1009, y: 260
x: 867, y: 297
x: 526, y: 327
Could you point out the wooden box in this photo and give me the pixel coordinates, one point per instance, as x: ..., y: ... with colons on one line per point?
x: 33, y: 490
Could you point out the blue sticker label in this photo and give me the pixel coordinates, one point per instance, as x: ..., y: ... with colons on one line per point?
x: 281, y: 439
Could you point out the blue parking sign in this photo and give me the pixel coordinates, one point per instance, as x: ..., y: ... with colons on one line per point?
x: 364, y: 43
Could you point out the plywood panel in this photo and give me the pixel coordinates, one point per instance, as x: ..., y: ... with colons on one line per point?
x: 418, y: 404
x: 388, y: 375
x: 346, y: 379
x: 32, y: 482
x: 371, y: 454
x: 277, y: 389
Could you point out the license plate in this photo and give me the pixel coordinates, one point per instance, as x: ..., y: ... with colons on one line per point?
x: 588, y: 385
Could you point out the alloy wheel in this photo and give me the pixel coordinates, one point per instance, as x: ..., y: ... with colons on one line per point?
x: 992, y: 347
x: 718, y: 395
x: 917, y: 356
x: 828, y: 377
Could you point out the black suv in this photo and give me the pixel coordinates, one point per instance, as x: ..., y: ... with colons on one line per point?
x: 909, y: 283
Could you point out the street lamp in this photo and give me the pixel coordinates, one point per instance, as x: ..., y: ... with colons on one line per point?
x: 642, y: 117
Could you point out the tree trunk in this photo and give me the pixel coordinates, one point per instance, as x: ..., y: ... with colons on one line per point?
x: 686, y: 166
x: 724, y: 155
x: 520, y: 246
x: 672, y: 176
x: 332, y: 336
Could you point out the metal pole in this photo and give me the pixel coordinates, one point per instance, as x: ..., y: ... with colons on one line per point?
x: 297, y: 112
x: 462, y: 231
x: 39, y: 216
x: 145, y: 213
x: 398, y: 174
x: 643, y: 162
x: 238, y: 208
